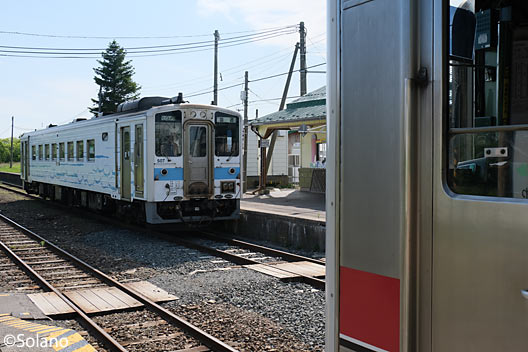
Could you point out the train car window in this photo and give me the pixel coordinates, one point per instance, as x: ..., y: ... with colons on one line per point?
x: 487, y: 98
x: 54, y: 151
x: 90, y: 148
x: 168, y: 131
x: 41, y: 151
x: 198, y: 141
x: 70, y: 151
x: 33, y: 152
x: 47, y: 152
x: 226, y: 135
x: 80, y: 150
x: 61, y: 151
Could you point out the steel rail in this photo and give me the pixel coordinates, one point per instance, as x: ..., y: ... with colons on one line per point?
x: 104, y: 337
x: 315, y: 282
x: 205, y: 338
x: 255, y: 247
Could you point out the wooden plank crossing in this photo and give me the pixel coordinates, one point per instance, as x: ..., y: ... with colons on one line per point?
x: 288, y: 270
x: 50, y: 304
x: 99, y: 299
x: 152, y: 292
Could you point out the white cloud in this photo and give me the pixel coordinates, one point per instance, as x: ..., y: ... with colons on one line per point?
x: 260, y: 14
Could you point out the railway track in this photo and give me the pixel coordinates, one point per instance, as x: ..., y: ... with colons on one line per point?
x: 230, y: 249
x: 54, y: 270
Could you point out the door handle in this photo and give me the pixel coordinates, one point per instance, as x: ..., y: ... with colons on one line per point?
x: 524, y: 293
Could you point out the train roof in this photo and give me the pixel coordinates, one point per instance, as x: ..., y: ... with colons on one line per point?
x: 132, y: 109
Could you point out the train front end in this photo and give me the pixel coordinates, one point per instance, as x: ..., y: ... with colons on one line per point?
x: 196, y: 153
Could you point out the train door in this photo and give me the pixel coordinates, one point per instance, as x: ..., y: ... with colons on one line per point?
x: 198, y: 160
x: 125, y: 163
x: 23, y: 160
x: 138, y: 161
x: 480, y: 222
x: 27, y: 158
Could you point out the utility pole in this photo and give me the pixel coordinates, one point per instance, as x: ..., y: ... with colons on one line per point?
x: 215, y: 89
x: 283, y: 102
x: 12, y: 125
x: 245, y: 96
x: 302, y: 42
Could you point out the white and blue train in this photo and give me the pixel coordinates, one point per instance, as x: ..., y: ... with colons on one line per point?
x: 157, y: 160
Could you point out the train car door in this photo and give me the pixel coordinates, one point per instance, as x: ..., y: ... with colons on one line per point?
x: 25, y: 160
x: 197, y: 160
x: 480, y: 222
x: 138, y: 161
x: 125, y: 163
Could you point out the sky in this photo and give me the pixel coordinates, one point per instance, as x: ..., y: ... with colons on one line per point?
x: 44, y: 90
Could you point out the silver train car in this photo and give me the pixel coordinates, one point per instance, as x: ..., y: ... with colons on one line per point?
x: 427, y: 189
x: 157, y: 160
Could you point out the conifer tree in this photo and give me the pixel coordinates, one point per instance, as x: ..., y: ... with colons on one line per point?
x: 114, y: 77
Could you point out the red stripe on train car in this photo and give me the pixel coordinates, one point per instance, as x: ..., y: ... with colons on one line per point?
x: 370, y: 308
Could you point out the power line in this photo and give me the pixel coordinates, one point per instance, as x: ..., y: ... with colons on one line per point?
x: 98, y: 50
x: 284, y: 73
x: 219, y: 89
x: 180, y: 47
x: 263, y: 100
x: 254, y: 80
x: 131, y: 37
x: 156, y: 52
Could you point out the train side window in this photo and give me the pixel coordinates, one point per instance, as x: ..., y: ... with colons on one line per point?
x: 90, y: 149
x: 70, y: 151
x: 40, y: 151
x: 80, y: 150
x: 487, y: 98
x: 54, y: 151
x: 168, y: 133
x: 226, y: 135
x: 47, y: 152
x: 33, y: 152
x: 61, y: 151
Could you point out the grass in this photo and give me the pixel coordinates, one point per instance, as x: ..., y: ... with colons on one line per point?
x: 5, y: 167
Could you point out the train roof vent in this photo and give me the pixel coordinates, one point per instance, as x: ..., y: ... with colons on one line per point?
x: 78, y: 119
x: 140, y: 104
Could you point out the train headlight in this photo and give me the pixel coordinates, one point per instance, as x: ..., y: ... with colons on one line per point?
x: 227, y: 187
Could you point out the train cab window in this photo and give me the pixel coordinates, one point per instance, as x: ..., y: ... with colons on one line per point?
x: 80, y: 150
x: 54, y: 151
x: 168, y: 133
x: 90, y: 149
x: 226, y: 135
x: 70, y: 151
x: 61, y: 151
x: 33, y: 152
x: 487, y: 98
x: 47, y: 152
x: 40, y: 152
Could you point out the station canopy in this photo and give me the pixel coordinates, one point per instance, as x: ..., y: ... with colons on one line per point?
x: 303, y: 114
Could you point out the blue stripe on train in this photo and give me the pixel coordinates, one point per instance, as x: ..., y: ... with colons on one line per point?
x: 222, y: 173
x: 176, y: 174
x: 173, y: 174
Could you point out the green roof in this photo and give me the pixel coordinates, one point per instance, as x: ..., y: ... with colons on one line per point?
x: 311, y: 106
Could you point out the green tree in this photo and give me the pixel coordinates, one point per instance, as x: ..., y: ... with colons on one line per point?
x: 5, y: 150
x: 114, y: 77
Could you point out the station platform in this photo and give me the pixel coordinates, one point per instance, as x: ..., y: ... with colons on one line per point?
x: 287, y: 202
x: 286, y: 217
x: 26, y: 336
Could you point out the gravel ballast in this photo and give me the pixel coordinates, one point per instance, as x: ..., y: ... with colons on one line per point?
x: 255, y: 311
